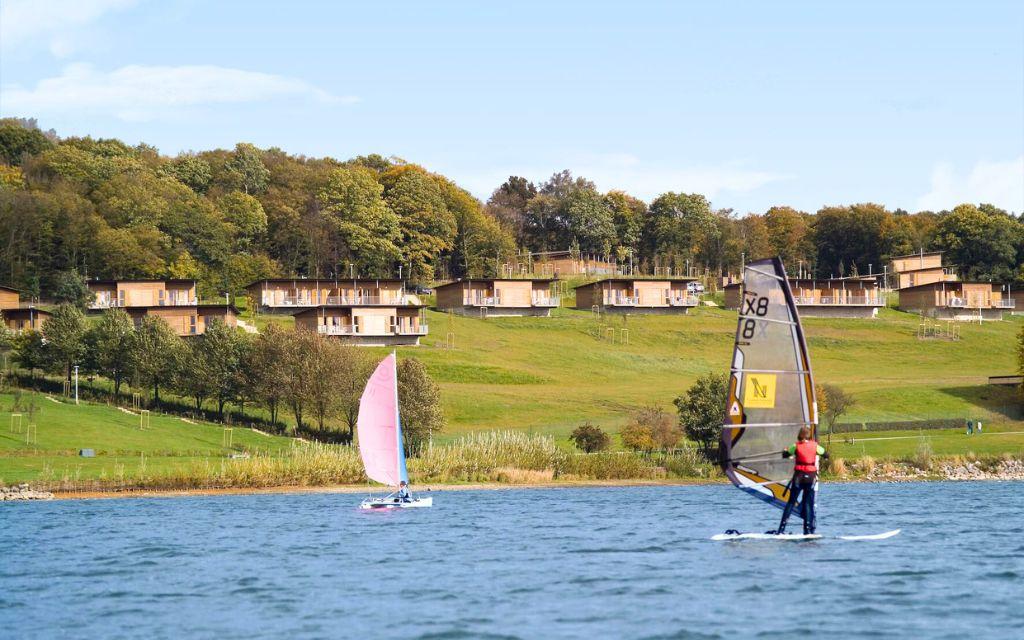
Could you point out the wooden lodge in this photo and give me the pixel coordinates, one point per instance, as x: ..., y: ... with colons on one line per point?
x: 498, y: 297
x: 287, y: 295
x: 850, y: 297
x: 957, y: 300
x: 920, y: 268
x: 370, y: 326
x: 634, y: 295
x: 186, y: 320
x: 18, y: 316
x: 142, y: 293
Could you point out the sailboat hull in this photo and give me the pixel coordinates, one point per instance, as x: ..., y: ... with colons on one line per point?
x: 395, y: 503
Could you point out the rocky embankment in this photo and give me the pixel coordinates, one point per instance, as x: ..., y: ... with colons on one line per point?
x: 1005, y: 470
x: 956, y: 469
x: 23, y: 492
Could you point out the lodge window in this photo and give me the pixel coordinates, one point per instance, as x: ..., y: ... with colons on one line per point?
x: 192, y: 325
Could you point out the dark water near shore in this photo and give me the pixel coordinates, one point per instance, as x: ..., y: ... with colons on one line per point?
x: 566, y: 563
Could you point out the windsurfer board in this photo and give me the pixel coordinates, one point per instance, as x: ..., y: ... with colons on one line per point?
x: 797, y: 537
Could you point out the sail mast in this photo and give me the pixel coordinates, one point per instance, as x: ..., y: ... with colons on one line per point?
x: 403, y: 473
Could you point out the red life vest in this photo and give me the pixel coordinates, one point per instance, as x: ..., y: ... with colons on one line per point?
x: 806, y: 456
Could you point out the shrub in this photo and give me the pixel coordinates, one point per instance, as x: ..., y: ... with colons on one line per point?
x: 590, y: 438
x: 923, y: 456
x: 638, y: 437
x: 665, y: 432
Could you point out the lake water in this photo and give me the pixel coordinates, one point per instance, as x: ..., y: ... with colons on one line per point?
x: 558, y: 563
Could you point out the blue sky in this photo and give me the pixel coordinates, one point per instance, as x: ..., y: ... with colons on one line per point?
x: 914, y: 105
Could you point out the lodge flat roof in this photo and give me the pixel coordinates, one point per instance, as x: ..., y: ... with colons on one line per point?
x: 917, y: 255
x: 146, y: 307
x: 467, y: 280
x: 843, y: 279
x: 637, y: 279
x: 862, y: 279
x: 940, y: 267
x: 325, y: 307
x: 6, y: 288
x: 315, y: 280
x: 949, y: 283
x: 140, y: 280
x: 23, y: 311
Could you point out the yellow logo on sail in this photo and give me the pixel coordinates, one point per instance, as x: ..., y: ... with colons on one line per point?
x: 760, y: 391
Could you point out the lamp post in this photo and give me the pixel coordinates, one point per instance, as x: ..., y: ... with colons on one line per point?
x: 76, y: 384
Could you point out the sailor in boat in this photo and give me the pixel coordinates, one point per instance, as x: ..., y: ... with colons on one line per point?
x: 805, y: 479
x: 403, y: 492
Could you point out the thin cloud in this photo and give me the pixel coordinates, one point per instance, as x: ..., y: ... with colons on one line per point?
x: 56, y: 24
x: 998, y: 183
x: 138, y: 92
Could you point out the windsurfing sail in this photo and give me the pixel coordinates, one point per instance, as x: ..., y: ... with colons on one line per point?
x: 380, y: 427
x: 771, y: 388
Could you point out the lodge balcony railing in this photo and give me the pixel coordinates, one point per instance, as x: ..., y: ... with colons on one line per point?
x: 114, y: 303
x: 481, y: 301
x: 312, y: 301
x: 873, y: 301
x: 682, y: 301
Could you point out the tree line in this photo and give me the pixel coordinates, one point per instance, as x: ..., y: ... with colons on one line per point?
x: 78, y: 205
x: 227, y: 217
x: 683, y: 231
x: 315, y: 379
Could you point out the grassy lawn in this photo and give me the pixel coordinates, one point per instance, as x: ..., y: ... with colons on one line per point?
x: 549, y: 374
x: 120, y: 445
x: 995, y: 440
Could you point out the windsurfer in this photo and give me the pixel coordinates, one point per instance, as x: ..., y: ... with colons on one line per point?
x: 805, y: 479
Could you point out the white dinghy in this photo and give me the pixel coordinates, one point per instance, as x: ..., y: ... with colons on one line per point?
x: 379, y: 428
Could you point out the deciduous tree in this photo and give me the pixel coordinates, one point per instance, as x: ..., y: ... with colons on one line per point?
x: 701, y: 410
x: 110, y: 346
x: 65, y: 337
x: 157, y: 352
x: 419, y: 400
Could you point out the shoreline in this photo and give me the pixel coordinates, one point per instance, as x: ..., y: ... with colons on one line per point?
x: 346, y: 489
x: 354, y: 489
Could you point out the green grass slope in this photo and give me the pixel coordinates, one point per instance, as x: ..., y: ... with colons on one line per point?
x: 550, y: 374
x: 121, y: 446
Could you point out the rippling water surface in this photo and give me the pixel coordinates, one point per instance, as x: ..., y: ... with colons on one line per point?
x: 567, y: 563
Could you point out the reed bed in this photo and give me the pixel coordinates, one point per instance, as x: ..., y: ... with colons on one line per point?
x: 612, y: 465
x: 304, y: 464
x: 510, y: 457
x: 484, y: 457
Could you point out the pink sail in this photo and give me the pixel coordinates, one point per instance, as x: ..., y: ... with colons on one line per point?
x: 378, y: 426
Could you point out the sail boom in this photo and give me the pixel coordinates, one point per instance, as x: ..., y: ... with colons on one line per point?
x: 765, y: 273
x: 788, y: 371
x: 756, y: 425
x: 761, y: 319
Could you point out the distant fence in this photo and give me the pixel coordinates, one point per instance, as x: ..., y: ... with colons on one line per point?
x: 905, y: 425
